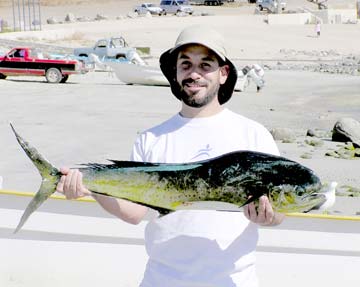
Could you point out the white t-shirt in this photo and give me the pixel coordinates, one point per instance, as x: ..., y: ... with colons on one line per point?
x: 201, y: 247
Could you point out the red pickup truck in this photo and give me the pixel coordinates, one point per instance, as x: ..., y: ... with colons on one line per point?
x: 30, y: 62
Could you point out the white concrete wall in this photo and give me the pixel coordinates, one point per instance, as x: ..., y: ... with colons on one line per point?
x: 330, y: 16
x: 339, y: 16
x: 289, y: 19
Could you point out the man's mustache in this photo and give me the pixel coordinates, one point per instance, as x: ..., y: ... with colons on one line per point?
x: 192, y: 81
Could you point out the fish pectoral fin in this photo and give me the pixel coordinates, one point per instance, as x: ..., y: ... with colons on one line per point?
x: 252, y: 199
x: 162, y: 211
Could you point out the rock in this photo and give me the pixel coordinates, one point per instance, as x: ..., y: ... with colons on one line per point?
x: 100, y: 17
x: 310, y: 133
x: 132, y: 15
x: 345, y: 130
x: 317, y: 133
x: 148, y: 15
x: 283, y: 134
x: 181, y: 14
x: 314, y: 142
x: 4, y: 23
x: 70, y: 18
x: 306, y: 155
x: 36, y: 22
x: 83, y: 19
x: 52, y: 20
x: 332, y: 154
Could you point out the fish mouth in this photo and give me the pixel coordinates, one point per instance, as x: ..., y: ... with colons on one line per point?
x: 328, y: 196
x: 300, y: 200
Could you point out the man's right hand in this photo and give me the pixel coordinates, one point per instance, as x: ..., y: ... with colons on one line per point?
x: 71, y: 184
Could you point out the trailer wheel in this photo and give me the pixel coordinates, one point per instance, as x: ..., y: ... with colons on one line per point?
x: 64, y: 78
x: 53, y: 75
x: 2, y: 77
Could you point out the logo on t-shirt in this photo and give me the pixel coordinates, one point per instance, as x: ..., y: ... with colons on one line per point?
x: 203, y: 153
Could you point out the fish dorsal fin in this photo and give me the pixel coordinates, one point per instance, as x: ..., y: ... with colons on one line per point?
x: 142, y: 166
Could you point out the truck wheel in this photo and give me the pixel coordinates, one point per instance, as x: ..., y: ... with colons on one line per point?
x: 120, y: 57
x: 64, y: 78
x: 83, y: 55
x: 2, y: 77
x: 53, y: 75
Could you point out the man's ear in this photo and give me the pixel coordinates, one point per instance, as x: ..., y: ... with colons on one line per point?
x: 224, y: 73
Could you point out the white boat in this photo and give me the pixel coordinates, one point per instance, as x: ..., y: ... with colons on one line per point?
x: 135, y: 74
x: 76, y: 243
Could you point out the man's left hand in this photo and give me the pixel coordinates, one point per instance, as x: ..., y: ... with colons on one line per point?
x: 263, y: 214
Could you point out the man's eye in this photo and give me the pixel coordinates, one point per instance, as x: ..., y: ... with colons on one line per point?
x: 205, y: 66
x: 185, y: 65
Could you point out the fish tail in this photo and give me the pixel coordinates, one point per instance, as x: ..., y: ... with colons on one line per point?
x: 50, y: 176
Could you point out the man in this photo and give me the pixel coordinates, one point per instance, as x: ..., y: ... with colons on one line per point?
x: 256, y: 73
x: 196, y: 247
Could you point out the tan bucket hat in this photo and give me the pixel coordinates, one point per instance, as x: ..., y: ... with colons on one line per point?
x: 209, y: 38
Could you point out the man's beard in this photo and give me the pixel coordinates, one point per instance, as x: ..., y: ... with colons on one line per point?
x: 192, y: 100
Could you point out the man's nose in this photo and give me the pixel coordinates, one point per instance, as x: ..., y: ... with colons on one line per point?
x: 195, y: 73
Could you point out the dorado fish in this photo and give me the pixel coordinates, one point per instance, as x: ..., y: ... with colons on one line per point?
x: 227, y: 182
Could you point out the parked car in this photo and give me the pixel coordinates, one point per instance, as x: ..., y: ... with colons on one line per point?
x: 114, y: 47
x: 149, y: 7
x: 176, y: 6
x: 28, y: 62
x: 273, y: 6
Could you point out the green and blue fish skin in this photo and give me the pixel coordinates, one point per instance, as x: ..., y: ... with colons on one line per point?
x: 236, y: 178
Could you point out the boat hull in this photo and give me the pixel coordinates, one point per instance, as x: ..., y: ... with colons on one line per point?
x: 134, y: 74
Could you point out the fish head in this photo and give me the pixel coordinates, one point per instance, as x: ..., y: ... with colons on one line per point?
x: 290, y: 198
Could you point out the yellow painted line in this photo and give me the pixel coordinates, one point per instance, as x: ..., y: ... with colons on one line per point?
x: 323, y: 216
x: 295, y: 214
x: 31, y: 194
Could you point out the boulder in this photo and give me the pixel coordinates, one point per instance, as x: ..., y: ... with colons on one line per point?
x: 132, y: 15
x: 83, y: 19
x: 70, y: 18
x: 148, y: 15
x: 283, y: 134
x: 52, y: 20
x: 100, y: 17
x: 347, y: 130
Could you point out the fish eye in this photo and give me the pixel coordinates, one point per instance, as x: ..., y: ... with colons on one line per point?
x: 300, y: 192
